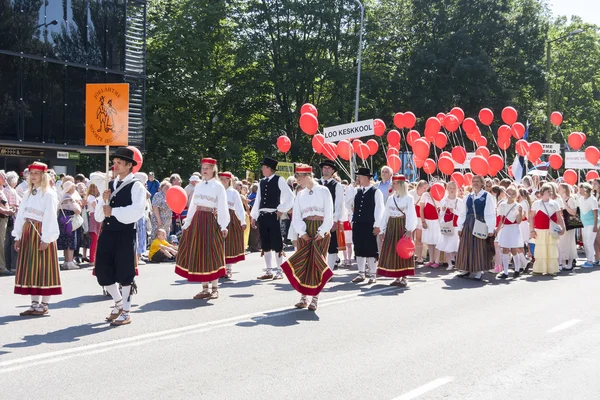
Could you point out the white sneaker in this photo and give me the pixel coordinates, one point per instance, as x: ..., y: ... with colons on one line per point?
x: 141, y: 262
x: 72, y: 265
x: 450, y: 267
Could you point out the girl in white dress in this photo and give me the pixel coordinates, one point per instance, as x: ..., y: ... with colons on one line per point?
x: 525, y: 202
x: 449, y: 240
x: 430, y: 220
x: 510, y: 239
x: 416, y: 194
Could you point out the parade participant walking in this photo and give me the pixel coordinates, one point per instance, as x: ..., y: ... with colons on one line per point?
x: 273, y: 198
x: 35, y: 232
x: 566, y: 243
x: 448, y: 240
x: 399, y: 220
x: 349, y: 192
x: 416, y: 194
x: 509, y: 232
x: 201, y: 256
x: 234, y: 244
x: 473, y: 251
x: 307, y: 269
x: 430, y: 221
x: 545, y: 213
x: 368, y: 212
x: 328, y: 168
x: 120, y: 207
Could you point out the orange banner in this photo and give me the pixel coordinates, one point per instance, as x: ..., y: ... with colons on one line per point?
x: 106, y: 114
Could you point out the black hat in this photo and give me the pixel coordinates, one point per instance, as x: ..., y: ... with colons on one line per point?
x: 364, y: 172
x: 329, y: 163
x: 269, y: 162
x: 124, y: 154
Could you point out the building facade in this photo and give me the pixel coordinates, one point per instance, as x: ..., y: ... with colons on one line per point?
x: 49, y: 51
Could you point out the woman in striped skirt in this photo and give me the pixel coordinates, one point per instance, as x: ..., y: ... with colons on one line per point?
x: 234, y: 244
x: 201, y: 256
x: 473, y: 252
x: 35, y: 233
x: 307, y: 268
x: 399, y: 220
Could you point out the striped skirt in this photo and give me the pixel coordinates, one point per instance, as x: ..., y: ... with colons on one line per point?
x: 307, y: 268
x: 390, y: 264
x: 234, y: 243
x: 38, y: 272
x: 473, y: 253
x: 201, y: 256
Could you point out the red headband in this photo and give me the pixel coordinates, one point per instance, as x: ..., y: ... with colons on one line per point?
x: 398, y: 178
x: 304, y: 170
x: 38, y: 167
x: 225, y: 175
x: 209, y: 161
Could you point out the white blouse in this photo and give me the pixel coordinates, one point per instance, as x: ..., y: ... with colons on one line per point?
x: 209, y: 194
x: 234, y: 202
x: 510, y: 211
x: 403, y: 206
x: 525, y: 207
x: 552, y: 206
x: 39, y: 207
x: 313, y: 203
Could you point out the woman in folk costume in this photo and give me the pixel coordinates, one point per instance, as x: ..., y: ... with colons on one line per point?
x: 545, y: 212
x: 399, y: 220
x: 474, y: 252
x: 448, y: 241
x: 416, y: 194
x: 509, y: 236
x: 307, y: 268
x: 234, y: 244
x: 500, y: 198
x: 349, y: 192
x: 566, y: 243
x: 201, y: 256
x: 431, y: 227
x: 35, y: 232
x: 525, y: 202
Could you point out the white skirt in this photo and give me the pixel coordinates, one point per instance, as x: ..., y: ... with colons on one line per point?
x: 448, y: 243
x: 525, y: 233
x: 432, y: 234
x: 510, y: 237
x: 567, y: 246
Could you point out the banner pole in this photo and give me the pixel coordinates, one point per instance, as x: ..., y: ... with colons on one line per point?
x: 107, y: 159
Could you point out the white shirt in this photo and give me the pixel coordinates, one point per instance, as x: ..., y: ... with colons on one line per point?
x: 310, y: 203
x: 585, y: 205
x: 403, y: 206
x: 91, y: 203
x: 379, y: 206
x: 128, y: 214
x: 234, y: 202
x: 338, y: 207
x: 489, y: 213
x: 286, y: 201
x: 39, y: 207
x: 525, y: 207
x: 415, y: 196
x: 22, y: 188
x: 209, y: 194
x: 510, y: 211
x: 189, y: 190
x: 455, y: 204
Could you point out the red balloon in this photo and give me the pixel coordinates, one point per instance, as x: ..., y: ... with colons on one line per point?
x: 176, y: 199
x: 430, y: 135
x: 486, y: 116
x: 440, y: 140
x: 576, y: 140
x: 583, y: 137
x: 363, y: 151
x: 504, y: 144
x: 284, y: 144
x: 496, y: 162
x: 137, y: 156
x: 394, y: 163
x: 570, y: 177
x: 518, y: 130
x: 373, y: 146
x: 317, y: 142
x: 451, y: 123
x: 378, y: 127
x: 441, y: 117
x: 535, y: 150
x: 509, y: 115
x: 344, y: 149
x: 411, y: 136
x: 309, y: 124
x: 419, y: 162
x: 458, y: 178
x: 483, y: 152
x: 504, y: 132
x: 591, y: 175
x: 482, y: 141
x: 433, y: 124
x: 391, y: 151
x: 446, y: 165
x: 399, y: 120
x: 393, y: 137
x: 330, y: 151
x: 556, y: 118
x: 429, y: 166
x: 310, y: 109
x: 556, y: 161
x: 356, y: 145
x: 437, y: 191
x: 446, y: 154
x: 522, y: 147
x: 479, y: 166
x: 468, y: 178
x: 592, y: 155
x: 458, y: 113
x: 421, y: 148
x: 405, y: 248
x: 459, y: 154
x: 469, y: 125
x: 409, y: 120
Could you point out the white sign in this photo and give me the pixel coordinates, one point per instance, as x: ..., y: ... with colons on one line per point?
x: 551, y: 148
x: 62, y: 155
x: 576, y: 160
x: 466, y: 164
x: 349, y: 131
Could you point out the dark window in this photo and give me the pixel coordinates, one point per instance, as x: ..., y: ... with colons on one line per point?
x: 54, y: 108
x: 75, y: 106
x: 31, y: 34
x: 33, y: 75
x: 9, y: 97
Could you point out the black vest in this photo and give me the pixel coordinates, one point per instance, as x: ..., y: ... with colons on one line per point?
x: 270, y: 194
x: 331, y: 185
x: 121, y: 199
x: 364, y: 206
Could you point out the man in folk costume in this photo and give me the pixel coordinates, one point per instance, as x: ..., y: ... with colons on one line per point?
x: 328, y: 168
x: 35, y: 232
x: 274, y: 197
x: 234, y: 244
x: 201, y: 256
x: 120, y: 207
x: 368, y: 213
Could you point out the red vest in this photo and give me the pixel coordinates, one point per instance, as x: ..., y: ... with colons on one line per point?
x: 541, y: 220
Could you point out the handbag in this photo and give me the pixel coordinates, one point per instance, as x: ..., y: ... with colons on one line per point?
x: 480, y: 229
x: 555, y: 229
x: 71, y: 223
x: 572, y: 221
x: 86, y: 221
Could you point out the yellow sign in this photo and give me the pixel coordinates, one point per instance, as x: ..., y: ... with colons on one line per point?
x: 250, y: 176
x: 285, y: 169
x: 106, y: 114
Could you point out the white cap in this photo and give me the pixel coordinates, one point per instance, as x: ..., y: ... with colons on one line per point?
x: 194, y: 178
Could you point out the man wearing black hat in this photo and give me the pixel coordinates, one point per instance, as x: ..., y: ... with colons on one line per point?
x: 368, y: 212
x: 328, y: 168
x: 274, y: 197
x: 121, y: 206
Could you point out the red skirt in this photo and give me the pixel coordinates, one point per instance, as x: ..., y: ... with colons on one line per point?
x: 234, y: 243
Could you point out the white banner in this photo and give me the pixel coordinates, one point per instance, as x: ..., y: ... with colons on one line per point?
x: 466, y: 164
x: 62, y: 154
x: 576, y: 160
x: 551, y: 148
x: 349, y: 131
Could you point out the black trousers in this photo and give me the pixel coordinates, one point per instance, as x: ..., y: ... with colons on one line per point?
x: 365, y: 243
x: 333, y: 243
x: 116, y: 257
x: 270, y: 232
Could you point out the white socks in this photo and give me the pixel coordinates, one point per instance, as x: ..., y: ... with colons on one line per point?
x: 372, y: 267
x: 45, y: 299
x: 523, y: 260
x: 331, y: 259
x: 113, y: 290
x: 348, y: 253
x: 517, y: 262
x: 361, y: 262
x: 505, y: 261
x: 35, y: 298
x: 228, y: 268
x: 126, y: 298
x: 269, y: 261
x: 279, y: 260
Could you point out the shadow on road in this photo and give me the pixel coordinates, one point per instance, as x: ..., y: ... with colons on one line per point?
x: 241, y: 296
x: 172, y: 305
x: 77, y: 302
x: 281, y: 318
x: 67, y: 335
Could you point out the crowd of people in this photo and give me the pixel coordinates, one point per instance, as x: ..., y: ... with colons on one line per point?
x: 489, y: 225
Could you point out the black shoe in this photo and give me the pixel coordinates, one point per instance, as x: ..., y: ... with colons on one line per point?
x: 516, y: 274
x: 502, y: 276
x: 528, y: 267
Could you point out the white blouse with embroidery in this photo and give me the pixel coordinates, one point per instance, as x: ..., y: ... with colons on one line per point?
x: 403, y: 206
x: 209, y: 194
x: 234, y: 202
x: 39, y: 207
x: 313, y: 203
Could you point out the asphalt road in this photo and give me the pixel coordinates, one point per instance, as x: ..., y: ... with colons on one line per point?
x: 441, y: 338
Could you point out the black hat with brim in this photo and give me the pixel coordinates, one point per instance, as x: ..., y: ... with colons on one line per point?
x: 269, y: 162
x: 328, y: 163
x: 125, y: 154
x: 364, y: 172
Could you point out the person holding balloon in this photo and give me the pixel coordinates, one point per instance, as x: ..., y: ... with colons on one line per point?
x: 448, y: 241
x: 398, y: 222
x: 416, y: 194
x: 234, y: 244
x: 430, y: 220
x: 545, y: 214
